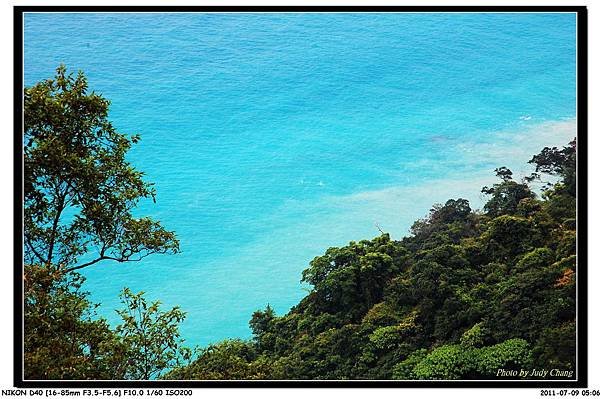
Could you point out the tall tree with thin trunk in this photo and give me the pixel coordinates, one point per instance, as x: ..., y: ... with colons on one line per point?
x: 79, y: 189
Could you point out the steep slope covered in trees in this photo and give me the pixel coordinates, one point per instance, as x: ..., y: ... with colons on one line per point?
x: 467, y: 293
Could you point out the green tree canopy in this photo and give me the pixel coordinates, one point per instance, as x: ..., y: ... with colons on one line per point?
x: 151, y: 337
x: 557, y: 162
x: 64, y: 338
x: 79, y: 189
x: 466, y: 294
x: 79, y: 194
x: 506, y: 195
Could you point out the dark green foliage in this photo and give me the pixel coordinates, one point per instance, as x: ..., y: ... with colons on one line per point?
x: 556, y: 347
x: 348, y: 281
x: 466, y: 294
x: 504, y: 238
x: 79, y: 197
x: 227, y: 360
x: 151, y: 337
x: 561, y: 163
x: 63, y: 337
x: 448, y: 223
x: 79, y: 189
x: 506, y: 195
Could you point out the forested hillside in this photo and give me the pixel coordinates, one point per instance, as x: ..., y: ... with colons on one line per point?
x: 467, y: 293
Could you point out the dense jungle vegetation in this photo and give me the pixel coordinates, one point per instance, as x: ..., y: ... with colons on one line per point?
x: 467, y: 293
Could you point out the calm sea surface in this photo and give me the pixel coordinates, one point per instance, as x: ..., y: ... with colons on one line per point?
x: 272, y: 137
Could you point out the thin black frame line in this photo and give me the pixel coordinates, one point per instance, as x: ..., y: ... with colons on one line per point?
x: 582, y: 195
x: 581, y: 117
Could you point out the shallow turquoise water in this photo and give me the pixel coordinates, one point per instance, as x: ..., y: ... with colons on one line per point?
x: 271, y: 137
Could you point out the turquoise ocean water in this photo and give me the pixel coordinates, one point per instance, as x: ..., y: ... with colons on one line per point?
x: 272, y: 137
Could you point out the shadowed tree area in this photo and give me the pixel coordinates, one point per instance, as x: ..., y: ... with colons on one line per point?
x: 79, y: 194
